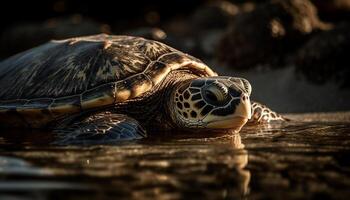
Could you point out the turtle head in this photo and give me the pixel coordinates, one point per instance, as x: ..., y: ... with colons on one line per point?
x: 214, y: 103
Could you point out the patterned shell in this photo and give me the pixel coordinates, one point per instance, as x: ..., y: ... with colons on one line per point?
x: 69, y: 76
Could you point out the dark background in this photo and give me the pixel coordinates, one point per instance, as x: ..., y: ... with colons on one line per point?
x: 101, y: 10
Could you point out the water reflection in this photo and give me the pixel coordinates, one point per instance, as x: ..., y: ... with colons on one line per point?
x: 11, y: 165
x: 287, y: 157
x: 180, y: 168
x: 242, y: 161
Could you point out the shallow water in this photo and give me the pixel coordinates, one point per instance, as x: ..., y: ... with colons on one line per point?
x: 307, y: 158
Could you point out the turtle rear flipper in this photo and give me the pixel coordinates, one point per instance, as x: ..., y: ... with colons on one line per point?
x: 99, y: 128
x: 263, y: 114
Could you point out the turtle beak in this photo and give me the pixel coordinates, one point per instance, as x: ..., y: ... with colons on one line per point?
x: 235, y: 121
x: 244, y: 109
x: 242, y: 114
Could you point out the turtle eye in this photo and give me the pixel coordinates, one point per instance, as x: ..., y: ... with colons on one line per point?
x: 215, y: 94
x: 209, y: 95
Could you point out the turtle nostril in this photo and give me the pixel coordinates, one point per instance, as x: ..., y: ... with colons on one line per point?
x: 244, y: 97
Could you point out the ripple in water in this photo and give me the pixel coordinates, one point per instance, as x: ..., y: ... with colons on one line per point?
x: 303, y: 159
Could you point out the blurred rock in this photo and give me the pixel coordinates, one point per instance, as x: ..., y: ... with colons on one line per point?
x: 207, y: 25
x: 269, y: 33
x: 333, y: 10
x: 202, y: 46
x: 148, y: 32
x: 326, y: 57
x: 214, y: 15
x: 24, y: 36
x: 199, y: 33
x: 182, y: 43
x: 179, y: 42
x: 208, y: 43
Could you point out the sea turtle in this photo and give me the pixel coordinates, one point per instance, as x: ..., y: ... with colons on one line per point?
x: 106, y: 88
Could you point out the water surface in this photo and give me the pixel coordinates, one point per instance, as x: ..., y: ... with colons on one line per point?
x: 307, y: 158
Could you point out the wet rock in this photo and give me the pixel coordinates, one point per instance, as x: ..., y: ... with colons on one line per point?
x: 326, y: 57
x: 269, y: 33
x: 24, y: 36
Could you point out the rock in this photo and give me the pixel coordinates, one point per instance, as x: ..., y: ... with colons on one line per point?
x: 267, y: 34
x: 214, y: 15
x: 148, y: 32
x: 182, y: 43
x: 24, y: 36
x: 333, y: 10
x: 208, y: 43
x: 207, y: 25
x: 199, y: 33
x: 326, y: 57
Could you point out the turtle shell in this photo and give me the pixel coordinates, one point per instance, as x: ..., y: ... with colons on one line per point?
x: 63, y: 77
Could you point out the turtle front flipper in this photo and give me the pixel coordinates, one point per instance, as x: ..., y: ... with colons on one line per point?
x: 263, y: 114
x: 99, y: 128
